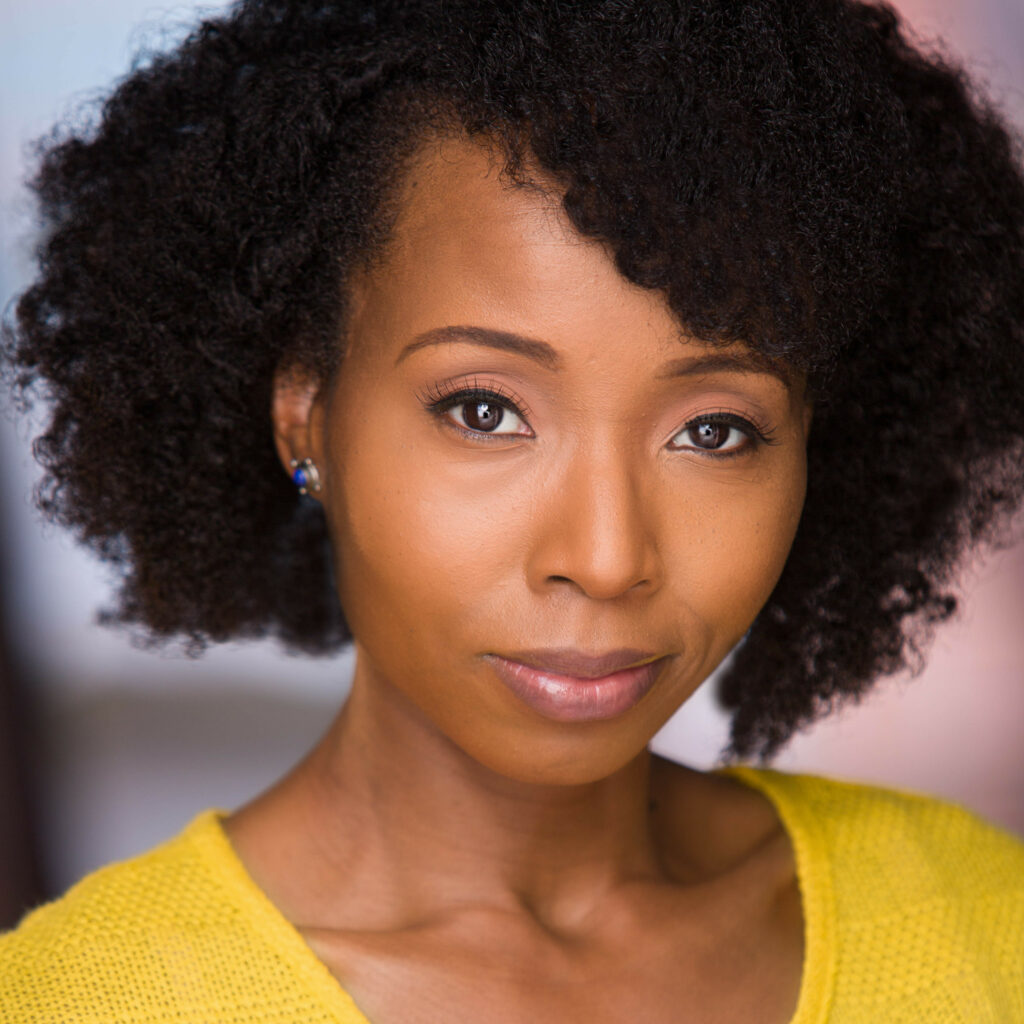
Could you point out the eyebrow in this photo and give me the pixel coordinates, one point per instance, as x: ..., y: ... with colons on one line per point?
x: 543, y: 353
x: 539, y: 351
x: 725, y: 362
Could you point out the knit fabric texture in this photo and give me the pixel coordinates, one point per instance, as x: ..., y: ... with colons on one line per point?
x: 913, y: 910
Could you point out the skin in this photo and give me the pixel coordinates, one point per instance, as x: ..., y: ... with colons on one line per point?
x: 446, y: 850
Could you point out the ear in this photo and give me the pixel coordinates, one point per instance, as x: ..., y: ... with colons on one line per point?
x: 296, y: 412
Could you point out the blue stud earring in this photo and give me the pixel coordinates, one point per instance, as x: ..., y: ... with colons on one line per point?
x: 305, y: 476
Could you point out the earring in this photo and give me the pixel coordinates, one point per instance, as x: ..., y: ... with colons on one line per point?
x: 305, y: 476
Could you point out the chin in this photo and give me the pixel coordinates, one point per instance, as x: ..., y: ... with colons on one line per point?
x: 590, y: 755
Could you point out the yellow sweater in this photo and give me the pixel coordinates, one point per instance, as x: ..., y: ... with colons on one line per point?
x: 914, y: 913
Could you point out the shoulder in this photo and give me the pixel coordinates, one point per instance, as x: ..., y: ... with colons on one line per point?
x: 911, y: 835
x: 129, y: 928
x: 119, y: 886
x: 912, y: 902
x: 181, y: 933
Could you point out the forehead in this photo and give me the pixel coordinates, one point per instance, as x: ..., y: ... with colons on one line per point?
x: 469, y: 245
x: 462, y: 183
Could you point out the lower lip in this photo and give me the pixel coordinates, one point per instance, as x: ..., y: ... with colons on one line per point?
x: 572, y: 699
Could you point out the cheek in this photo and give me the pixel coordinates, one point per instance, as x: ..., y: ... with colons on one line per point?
x: 731, y: 549
x: 431, y: 551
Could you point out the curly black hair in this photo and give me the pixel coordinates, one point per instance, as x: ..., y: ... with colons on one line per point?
x: 794, y: 175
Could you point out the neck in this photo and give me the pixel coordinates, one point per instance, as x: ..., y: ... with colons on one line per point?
x: 403, y: 823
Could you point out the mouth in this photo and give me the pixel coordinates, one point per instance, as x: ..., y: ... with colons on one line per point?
x: 571, y: 686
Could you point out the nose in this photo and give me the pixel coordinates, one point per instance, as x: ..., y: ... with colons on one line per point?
x: 594, y: 529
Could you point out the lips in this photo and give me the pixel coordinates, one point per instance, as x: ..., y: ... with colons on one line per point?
x: 571, y: 686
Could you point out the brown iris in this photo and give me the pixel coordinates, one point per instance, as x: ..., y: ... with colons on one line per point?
x: 710, y: 435
x: 485, y: 416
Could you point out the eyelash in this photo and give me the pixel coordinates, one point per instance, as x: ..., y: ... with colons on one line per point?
x: 445, y: 395
x: 757, y: 433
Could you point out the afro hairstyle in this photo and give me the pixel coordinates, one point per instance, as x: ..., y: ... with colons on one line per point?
x: 795, y: 176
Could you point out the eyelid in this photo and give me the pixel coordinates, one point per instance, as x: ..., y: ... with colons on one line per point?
x: 758, y: 431
x: 444, y: 395
x: 761, y: 429
x: 435, y: 395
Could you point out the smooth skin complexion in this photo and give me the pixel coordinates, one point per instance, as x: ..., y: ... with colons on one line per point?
x: 552, y: 516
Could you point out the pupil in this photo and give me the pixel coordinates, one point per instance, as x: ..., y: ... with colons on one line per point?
x: 711, y: 435
x: 483, y: 415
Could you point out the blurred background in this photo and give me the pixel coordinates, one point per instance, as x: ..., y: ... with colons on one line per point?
x: 106, y: 749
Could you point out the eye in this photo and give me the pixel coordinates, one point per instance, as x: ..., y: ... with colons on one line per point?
x: 718, y: 435
x: 485, y: 416
x: 481, y: 411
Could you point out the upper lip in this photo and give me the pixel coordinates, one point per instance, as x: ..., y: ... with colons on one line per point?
x: 569, y: 662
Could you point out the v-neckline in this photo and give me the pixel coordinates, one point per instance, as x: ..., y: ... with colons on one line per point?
x: 813, y: 879
x: 817, y: 894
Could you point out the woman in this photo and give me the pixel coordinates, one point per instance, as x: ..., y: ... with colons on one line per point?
x: 600, y: 342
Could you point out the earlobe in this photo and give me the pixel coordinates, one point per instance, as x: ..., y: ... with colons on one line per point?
x: 305, y: 475
x: 296, y: 418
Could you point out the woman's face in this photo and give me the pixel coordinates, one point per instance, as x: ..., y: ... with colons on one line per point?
x: 526, y: 467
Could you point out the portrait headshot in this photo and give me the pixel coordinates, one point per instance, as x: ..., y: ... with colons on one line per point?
x: 513, y: 512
